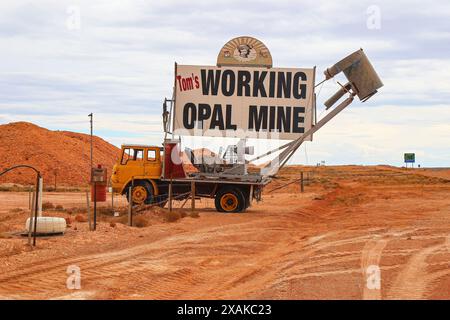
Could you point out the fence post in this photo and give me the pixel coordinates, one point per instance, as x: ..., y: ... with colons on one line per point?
x: 193, y: 195
x: 302, y: 187
x: 88, y: 208
x: 95, y: 205
x: 112, y: 200
x: 170, y: 195
x: 31, y: 218
x: 36, y: 205
x: 130, y: 207
x: 29, y: 198
x: 40, y: 195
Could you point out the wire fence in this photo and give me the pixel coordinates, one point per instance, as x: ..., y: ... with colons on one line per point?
x: 17, y: 206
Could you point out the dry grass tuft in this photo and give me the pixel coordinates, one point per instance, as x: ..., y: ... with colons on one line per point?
x: 140, y: 222
x: 48, y: 205
x: 80, y: 218
x: 172, y: 216
x: 194, y: 214
x: 68, y: 220
x: 349, y: 200
x: 183, y: 214
x: 76, y: 210
x: 106, y: 211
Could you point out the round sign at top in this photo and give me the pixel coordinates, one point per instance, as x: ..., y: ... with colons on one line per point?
x: 244, y: 51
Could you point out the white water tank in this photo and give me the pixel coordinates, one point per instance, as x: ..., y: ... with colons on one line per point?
x: 47, y: 225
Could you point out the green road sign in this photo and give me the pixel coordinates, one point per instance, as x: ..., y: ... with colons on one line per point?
x: 410, y: 157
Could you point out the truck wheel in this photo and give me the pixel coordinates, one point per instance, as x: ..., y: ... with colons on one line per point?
x: 141, y: 193
x: 230, y: 200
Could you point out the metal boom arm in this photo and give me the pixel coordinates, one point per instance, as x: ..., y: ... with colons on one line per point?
x: 276, y: 164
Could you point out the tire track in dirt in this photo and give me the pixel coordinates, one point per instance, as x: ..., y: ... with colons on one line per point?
x: 412, y: 281
x: 308, y: 261
x: 109, y: 267
x: 371, y: 256
x: 105, y: 266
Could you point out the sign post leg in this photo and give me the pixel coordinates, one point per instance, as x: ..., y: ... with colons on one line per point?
x: 192, y: 196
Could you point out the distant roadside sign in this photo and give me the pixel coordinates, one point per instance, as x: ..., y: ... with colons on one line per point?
x: 410, y: 157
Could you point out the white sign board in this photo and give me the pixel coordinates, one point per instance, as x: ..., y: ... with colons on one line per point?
x: 255, y: 102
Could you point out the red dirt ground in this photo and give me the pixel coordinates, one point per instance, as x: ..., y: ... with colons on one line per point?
x: 313, y: 245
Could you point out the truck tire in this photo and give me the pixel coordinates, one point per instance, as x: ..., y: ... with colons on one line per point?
x: 141, y: 192
x: 230, y: 199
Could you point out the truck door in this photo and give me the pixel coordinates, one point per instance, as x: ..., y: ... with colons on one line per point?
x: 133, y: 159
x: 152, y: 163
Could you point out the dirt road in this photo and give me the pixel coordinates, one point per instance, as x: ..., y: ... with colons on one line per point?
x: 351, y: 224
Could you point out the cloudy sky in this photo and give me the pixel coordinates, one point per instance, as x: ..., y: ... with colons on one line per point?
x: 61, y: 60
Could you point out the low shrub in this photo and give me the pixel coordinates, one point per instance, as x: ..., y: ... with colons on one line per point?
x: 140, y: 222
x: 80, y: 218
x: 48, y: 205
x: 194, y: 214
x: 172, y: 216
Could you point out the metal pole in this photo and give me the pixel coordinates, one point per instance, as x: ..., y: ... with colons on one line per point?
x: 130, y: 207
x: 30, y: 226
x: 112, y: 200
x: 41, y: 193
x: 36, y: 204
x: 29, y: 198
x: 170, y: 195
x: 95, y: 205
x: 91, y: 115
x: 88, y: 207
x: 193, y: 195
x: 302, y: 187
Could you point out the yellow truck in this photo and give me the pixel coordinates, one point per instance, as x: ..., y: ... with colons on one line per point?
x: 147, y: 173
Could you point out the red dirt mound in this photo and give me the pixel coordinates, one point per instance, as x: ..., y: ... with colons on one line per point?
x: 66, y: 152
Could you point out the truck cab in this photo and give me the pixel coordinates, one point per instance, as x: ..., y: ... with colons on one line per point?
x: 136, y: 162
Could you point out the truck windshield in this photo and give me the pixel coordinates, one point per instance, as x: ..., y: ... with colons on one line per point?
x: 132, y: 154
